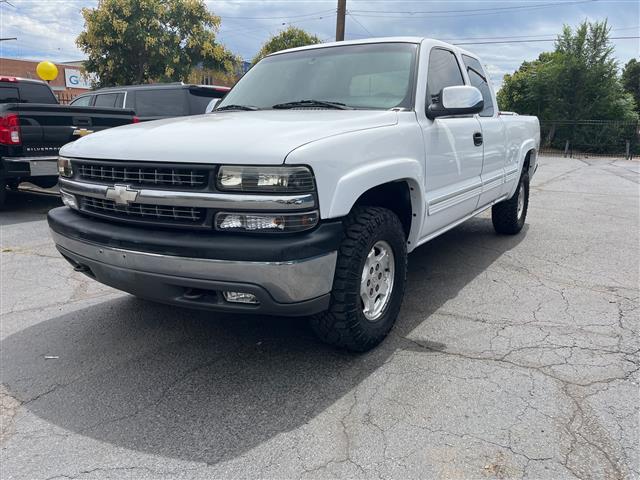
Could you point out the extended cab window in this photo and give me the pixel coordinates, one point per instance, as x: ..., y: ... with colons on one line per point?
x: 479, y: 80
x: 444, y: 71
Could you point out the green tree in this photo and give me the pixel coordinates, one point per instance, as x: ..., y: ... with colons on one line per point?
x: 577, y: 81
x: 138, y: 41
x: 290, y: 38
x: 631, y: 80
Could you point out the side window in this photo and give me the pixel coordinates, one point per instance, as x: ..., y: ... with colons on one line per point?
x: 444, y: 71
x: 120, y: 100
x: 106, y: 100
x: 479, y: 80
x: 82, y: 101
x: 161, y: 102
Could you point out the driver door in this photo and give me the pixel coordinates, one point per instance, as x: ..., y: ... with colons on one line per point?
x: 453, y: 160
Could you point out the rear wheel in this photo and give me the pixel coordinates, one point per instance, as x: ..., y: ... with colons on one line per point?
x: 509, y: 216
x: 369, y: 282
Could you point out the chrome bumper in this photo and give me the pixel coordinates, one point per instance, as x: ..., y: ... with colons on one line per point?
x: 38, y: 166
x: 286, y: 282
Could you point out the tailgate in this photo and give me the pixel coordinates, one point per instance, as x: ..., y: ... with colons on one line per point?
x: 46, y: 128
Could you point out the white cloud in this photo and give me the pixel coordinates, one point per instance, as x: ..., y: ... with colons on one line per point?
x: 48, y: 28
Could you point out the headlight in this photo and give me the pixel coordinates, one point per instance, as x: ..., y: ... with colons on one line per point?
x: 64, y: 167
x: 265, y: 223
x: 265, y: 179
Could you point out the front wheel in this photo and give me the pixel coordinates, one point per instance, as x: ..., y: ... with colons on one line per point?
x: 369, y: 282
x: 508, y: 217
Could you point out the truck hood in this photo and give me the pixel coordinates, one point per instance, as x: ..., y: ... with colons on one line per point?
x: 260, y: 137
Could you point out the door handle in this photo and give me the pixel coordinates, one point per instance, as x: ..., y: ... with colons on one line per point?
x: 477, y: 139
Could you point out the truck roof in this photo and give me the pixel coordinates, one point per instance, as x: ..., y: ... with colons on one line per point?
x: 145, y: 86
x: 12, y: 79
x: 400, y: 39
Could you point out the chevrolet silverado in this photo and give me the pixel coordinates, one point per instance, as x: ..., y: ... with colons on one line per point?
x: 303, y: 191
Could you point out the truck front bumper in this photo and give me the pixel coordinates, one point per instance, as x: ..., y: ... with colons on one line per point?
x: 292, y: 275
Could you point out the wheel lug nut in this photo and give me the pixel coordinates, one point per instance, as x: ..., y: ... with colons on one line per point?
x: 377, y: 287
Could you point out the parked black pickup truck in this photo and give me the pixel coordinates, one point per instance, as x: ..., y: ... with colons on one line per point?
x: 33, y: 127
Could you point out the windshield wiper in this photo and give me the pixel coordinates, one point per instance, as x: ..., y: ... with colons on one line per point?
x: 237, y: 107
x: 312, y: 103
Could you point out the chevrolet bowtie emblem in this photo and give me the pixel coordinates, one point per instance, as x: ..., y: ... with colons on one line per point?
x: 81, y: 132
x: 122, y: 194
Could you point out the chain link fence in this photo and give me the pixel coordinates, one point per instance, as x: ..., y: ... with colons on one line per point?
x: 590, y: 138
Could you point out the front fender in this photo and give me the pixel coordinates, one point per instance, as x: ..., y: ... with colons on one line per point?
x: 346, y: 166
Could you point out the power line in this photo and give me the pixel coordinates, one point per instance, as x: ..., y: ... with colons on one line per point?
x: 517, y: 7
x: 358, y: 22
x: 265, y: 28
x: 460, y: 13
x: 284, y: 17
x: 508, y: 37
x: 533, y: 41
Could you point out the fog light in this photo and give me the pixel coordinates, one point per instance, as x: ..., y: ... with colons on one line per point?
x: 69, y: 200
x: 262, y: 222
x: 240, y: 297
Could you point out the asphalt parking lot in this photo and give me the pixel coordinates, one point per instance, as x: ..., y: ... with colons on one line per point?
x: 513, y: 357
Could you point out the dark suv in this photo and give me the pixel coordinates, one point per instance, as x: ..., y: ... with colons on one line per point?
x: 155, y: 101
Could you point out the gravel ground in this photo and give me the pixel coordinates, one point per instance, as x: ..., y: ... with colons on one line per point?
x: 513, y: 357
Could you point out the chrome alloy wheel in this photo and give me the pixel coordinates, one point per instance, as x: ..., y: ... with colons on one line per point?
x: 520, y: 201
x: 376, y: 284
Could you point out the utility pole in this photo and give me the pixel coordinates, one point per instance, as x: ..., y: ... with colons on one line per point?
x: 342, y: 11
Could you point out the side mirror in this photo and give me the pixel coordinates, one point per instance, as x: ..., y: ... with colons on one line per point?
x: 212, y: 105
x: 458, y: 100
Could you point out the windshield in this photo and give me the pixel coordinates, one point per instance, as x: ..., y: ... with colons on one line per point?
x: 371, y: 76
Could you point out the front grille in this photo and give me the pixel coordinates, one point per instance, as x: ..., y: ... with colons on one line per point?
x: 142, y: 212
x: 183, y: 177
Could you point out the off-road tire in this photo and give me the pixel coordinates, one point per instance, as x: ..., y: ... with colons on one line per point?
x: 344, y: 323
x: 504, y: 215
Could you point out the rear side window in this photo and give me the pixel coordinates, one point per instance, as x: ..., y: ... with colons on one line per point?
x: 165, y: 102
x: 444, y: 71
x: 199, y: 98
x: 106, y: 100
x: 36, y: 93
x: 82, y: 101
x: 479, y: 80
x: 9, y: 95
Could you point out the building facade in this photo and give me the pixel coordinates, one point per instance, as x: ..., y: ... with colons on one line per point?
x: 69, y: 83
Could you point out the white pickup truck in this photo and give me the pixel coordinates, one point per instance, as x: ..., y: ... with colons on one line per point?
x: 304, y: 190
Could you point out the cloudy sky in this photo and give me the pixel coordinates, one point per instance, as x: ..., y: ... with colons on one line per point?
x: 46, y: 29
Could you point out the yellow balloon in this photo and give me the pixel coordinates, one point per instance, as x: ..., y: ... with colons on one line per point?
x: 47, y: 71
